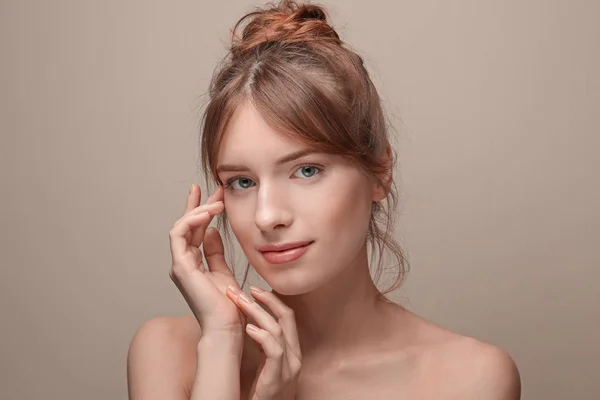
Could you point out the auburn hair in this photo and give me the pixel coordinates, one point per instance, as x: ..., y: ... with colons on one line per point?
x: 309, y: 85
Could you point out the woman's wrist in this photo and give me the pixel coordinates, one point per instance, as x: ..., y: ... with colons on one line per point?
x: 222, y: 342
x: 218, y: 367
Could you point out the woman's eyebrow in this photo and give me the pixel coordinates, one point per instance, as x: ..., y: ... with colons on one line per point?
x: 283, y: 160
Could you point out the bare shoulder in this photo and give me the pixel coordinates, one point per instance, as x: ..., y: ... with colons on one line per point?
x: 161, y: 360
x: 487, y: 372
x: 467, y: 368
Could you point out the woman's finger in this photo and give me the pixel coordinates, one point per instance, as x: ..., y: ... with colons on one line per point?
x: 272, y: 371
x: 214, y: 252
x: 199, y: 234
x: 213, y: 206
x: 193, y: 199
x: 181, y: 232
x: 253, y: 310
x: 190, y: 230
x: 285, y: 316
x: 216, y: 196
x: 212, y: 209
x: 195, y: 195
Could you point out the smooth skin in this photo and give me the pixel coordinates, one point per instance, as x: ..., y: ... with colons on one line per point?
x: 224, y: 320
x: 170, y: 358
x: 323, y: 331
x: 279, y: 368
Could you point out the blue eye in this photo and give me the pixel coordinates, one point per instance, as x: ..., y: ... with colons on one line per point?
x: 242, y: 183
x: 308, y: 171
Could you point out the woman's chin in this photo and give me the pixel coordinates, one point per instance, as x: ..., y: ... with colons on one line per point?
x: 291, y: 285
x: 287, y: 290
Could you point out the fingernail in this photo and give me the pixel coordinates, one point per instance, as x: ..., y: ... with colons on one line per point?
x: 233, y: 290
x: 191, y: 188
x: 245, y: 298
x: 256, y: 289
x: 253, y: 328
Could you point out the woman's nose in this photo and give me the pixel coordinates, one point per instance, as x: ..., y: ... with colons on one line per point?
x: 272, y: 211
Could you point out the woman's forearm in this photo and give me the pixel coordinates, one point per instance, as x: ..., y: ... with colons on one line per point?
x: 218, y: 368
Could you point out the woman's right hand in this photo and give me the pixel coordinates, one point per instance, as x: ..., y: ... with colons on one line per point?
x: 204, y: 287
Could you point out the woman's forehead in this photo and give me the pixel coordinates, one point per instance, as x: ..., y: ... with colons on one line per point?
x: 248, y: 135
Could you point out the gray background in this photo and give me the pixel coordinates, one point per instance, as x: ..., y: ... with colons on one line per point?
x: 496, y: 105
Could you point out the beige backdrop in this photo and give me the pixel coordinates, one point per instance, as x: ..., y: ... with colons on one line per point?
x: 499, y: 144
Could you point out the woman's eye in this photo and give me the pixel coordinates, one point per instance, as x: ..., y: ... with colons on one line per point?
x: 240, y: 183
x: 307, y: 171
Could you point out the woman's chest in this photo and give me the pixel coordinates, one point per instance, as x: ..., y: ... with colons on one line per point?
x: 368, y: 383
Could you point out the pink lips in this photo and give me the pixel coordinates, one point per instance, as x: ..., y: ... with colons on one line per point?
x: 284, y: 253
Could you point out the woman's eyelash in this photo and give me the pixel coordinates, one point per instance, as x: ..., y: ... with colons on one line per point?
x: 230, y: 181
x: 318, y: 167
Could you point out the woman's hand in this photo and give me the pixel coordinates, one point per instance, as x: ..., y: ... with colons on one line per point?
x: 204, y: 288
x: 279, y: 368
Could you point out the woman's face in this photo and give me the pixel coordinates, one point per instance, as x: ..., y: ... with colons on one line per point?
x: 278, y: 193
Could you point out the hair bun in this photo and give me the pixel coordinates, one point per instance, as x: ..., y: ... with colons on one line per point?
x: 286, y: 22
x: 309, y: 11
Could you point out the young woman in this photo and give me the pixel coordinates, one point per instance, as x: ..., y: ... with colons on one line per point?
x: 295, y: 139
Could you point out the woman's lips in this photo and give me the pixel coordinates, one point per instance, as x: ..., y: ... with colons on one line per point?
x: 284, y: 256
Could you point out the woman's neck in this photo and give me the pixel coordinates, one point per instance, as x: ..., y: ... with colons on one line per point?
x: 346, y: 315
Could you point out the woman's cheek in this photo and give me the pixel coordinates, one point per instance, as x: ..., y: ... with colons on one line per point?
x: 236, y: 220
x: 350, y: 212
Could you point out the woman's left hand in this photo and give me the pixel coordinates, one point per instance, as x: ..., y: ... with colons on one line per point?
x: 278, y: 371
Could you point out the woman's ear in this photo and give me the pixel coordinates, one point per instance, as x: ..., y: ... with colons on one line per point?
x: 382, y: 188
